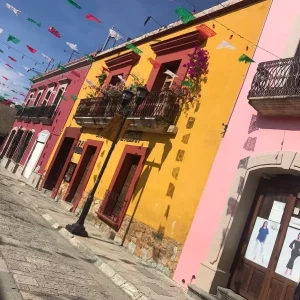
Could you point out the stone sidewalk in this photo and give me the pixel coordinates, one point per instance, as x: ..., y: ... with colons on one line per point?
x: 136, y: 279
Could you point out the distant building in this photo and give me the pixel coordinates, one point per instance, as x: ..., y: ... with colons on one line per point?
x: 7, y: 118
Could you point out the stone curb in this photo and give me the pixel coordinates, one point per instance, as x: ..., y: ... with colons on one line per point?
x: 131, y: 290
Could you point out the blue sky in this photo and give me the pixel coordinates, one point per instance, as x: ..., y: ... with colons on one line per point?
x: 126, y: 15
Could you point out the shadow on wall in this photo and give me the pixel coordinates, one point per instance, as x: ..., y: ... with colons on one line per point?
x: 277, y: 123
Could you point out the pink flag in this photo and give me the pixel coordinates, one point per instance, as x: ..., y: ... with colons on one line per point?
x: 92, y: 18
x: 9, y: 66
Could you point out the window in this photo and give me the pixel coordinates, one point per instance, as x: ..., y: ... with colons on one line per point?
x: 36, y: 101
x: 115, y: 79
x: 29, y: 99
x: 164, y: 80
x: 59, y: 94
x: 47, y: 97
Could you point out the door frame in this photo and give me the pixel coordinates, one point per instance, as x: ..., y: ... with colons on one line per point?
x: 143, y: 152
x: 98, y: 145
x: 70, y: 132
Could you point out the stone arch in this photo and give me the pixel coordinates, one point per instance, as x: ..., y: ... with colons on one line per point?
x: 215, y: 270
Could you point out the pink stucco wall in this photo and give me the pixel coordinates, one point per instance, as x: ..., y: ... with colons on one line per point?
x: 61, y: 115
x: 273, y: 134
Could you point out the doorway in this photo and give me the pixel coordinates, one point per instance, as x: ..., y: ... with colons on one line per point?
x: 58, y: 164
x: 11, y: 136
x: 33, y: 159
x: 267, y: 263
x: 83, y: 172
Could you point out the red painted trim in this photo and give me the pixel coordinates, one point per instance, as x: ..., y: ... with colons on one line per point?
x: 121, y: 61
x: 98, y: 145
x: 143, y: 152
x: 181, y: 55
x: 71, y: 132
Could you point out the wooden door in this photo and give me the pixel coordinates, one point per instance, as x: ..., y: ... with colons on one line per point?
x: 259, y: 270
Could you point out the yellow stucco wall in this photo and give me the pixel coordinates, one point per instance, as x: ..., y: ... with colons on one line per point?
x: 173, y: 216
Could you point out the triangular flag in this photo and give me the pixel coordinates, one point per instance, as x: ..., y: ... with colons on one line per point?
x: 47, y: 57
x: 92, y: 18
x: 184, y: 15
x: 134, y: 49
x: 205, y: 31
x: 187, y: 83
x: 63, y: 97
x: 13, y: 39
x: 246, y: 59
x: 9, y: 66
x: 89, y: 57
x: 170, y: 73
x: 114, y: 34
x: 89, y: 82
x: 1, y: 30
x: 7, y: 95
x: 75, y: 73
x: 74, y: 4
x: 34, y: 22
x: 74, y: 98
x: 20, y: 74
x: 54, y: 31
x: 31, y: 49
x: 5, y: 77
x: 26, y: 68
x: 1, y: 51
x: 26, y: 88
x: 72, y: 46
x: 59, y: 66
x: 154, y: 63
x: 225, y: 45
x: 11, y: 58
x: 13, y: 9
x: 147, y: 20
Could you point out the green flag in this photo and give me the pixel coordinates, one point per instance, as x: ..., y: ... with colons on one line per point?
x: 246, y: 59
x: 74, y: 98
x: 63, y: 97
x: 26, y: 88
x: 187, y: 83
x: 184, y: 15
x: 134, y: 49
x: 13, y: 39
x: 1, y: 51
x: 89, y: 57
x: 6, y: 95
x: 34, y: 22
x: 59, y: 66
x: 74, y: 4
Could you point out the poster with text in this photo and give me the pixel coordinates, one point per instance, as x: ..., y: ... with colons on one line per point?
x: 289, y: 260
x: 262, y: 241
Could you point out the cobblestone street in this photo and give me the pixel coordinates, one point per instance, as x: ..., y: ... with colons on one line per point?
x: 37, y: 263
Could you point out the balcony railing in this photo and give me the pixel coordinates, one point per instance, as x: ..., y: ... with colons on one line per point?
x: 36, y: 114
x: 157, y: 113
x: 275, y: 89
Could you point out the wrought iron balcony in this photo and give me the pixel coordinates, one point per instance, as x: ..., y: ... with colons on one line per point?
x: 157, y: 113
x: 275, y: 89
x: 36, y: 114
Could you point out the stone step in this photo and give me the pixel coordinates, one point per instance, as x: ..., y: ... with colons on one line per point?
x: 198, y: 294
x: 227, y: 294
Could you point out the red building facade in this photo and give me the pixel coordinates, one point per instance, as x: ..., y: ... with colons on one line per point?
x: 38, y: 126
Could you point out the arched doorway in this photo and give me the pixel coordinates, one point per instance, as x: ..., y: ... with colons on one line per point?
x: 36, y: 153
x: 7, y: 145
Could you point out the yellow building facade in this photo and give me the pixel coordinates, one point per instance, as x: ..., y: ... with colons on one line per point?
x: 165, y: 179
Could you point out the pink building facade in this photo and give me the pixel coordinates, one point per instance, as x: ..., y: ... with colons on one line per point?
x: 38, y: 126
x: 241, y: 239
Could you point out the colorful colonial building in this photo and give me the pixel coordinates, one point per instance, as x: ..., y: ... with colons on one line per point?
x: 245, y: 235
x: 150, y: 190
x: 38, y: 126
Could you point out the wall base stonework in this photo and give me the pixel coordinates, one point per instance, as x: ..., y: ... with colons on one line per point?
x: 141, y: 240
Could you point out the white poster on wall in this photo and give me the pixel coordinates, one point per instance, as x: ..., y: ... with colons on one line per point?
x: 262, y: 241
x: 289, y: 260
x: 277, y: 211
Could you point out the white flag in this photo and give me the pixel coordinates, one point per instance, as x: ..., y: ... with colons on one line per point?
x: 1, y: 30
x: 47, y: 57
x: 121, y: 78
x: 170, y: 73
x: 20, y: 74
x: 13, y: 9
x: 224, y: 44
x: 26, y: 68
x: 72, y: 46
x: 114, y: 34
